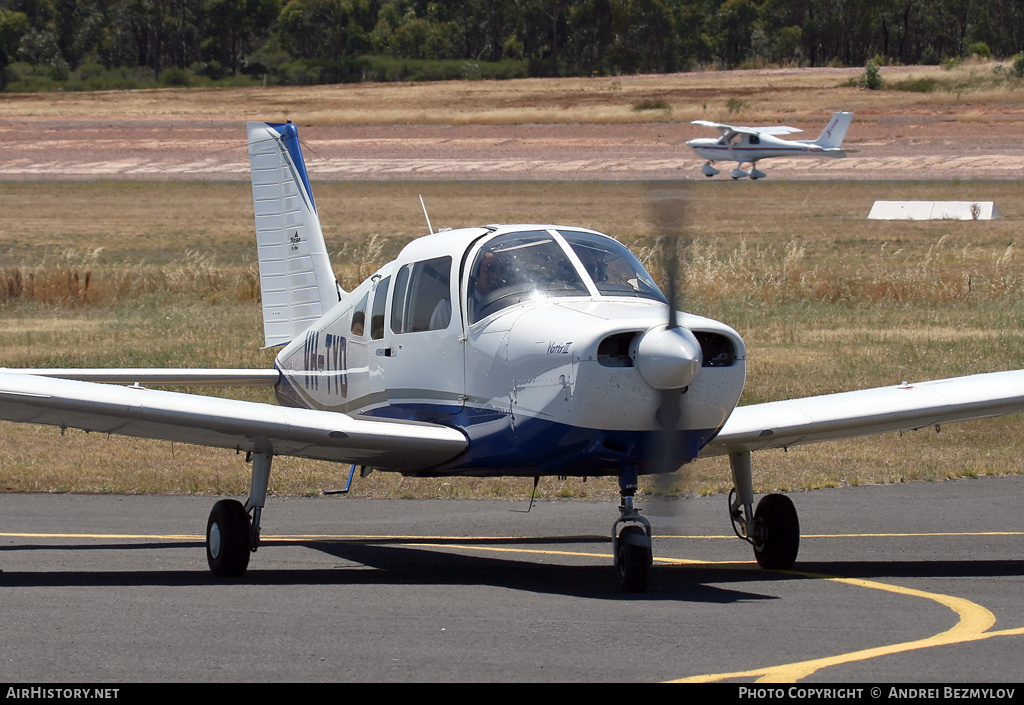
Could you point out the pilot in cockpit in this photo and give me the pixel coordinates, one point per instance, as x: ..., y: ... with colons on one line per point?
x: 488, y: 277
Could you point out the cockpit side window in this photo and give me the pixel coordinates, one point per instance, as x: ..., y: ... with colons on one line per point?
x: 614, y: 270
x: 422, y: 296
x: 519, y: 267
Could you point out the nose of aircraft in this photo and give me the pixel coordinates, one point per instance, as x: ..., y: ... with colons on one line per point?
x: 668, y: 357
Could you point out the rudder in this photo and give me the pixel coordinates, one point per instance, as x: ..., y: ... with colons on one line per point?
x: 297, y: 281
x: 835, y: 131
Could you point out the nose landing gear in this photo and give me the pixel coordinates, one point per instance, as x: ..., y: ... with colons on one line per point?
x: 631, y: 546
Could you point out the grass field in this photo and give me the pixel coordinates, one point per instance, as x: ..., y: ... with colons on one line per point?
x: 755, y: 95
x: 161, y: 274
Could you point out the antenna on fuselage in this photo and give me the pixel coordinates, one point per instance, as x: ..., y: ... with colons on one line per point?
x: 429, y: 227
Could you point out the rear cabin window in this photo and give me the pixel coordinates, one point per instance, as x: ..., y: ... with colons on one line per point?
x: 380, y: 297
x: 422, y: 296
x: 359, y: 316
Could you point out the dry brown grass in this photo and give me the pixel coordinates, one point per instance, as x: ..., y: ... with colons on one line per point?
x: 760, y: 95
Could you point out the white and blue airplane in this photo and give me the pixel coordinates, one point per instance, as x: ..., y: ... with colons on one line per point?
x: 522, y: 350
x: 749, y: 145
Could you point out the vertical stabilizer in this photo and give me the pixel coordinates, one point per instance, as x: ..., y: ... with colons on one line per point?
x: 297, y: 282
x: 835, y: 131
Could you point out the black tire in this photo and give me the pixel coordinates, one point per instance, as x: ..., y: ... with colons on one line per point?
x: 777, y: 533
x: 228, y: 539
x: 633, y: 559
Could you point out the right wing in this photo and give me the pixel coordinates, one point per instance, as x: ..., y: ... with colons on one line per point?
x: 227, y: 423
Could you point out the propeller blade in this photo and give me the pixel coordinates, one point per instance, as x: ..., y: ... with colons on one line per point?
x: 667, y: 204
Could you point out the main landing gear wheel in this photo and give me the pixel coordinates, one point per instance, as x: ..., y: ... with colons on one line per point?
x: 633, y: 558
x: 776, y: 532
x: 228, y: 539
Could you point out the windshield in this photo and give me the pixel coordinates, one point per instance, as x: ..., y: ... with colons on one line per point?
x: 614, y: 269
x: 518, y: 267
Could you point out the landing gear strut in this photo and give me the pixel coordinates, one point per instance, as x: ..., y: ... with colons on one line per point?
x: 773, y: 529
x: 230, y: 533
x: 631, y: 545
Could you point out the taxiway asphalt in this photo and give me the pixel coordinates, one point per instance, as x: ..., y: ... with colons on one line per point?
x: 908, y: 583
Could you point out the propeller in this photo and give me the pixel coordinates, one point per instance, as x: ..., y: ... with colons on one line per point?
x: 668, y: 357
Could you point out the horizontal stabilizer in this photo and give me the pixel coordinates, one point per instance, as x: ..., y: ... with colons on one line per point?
x: 168, y: 376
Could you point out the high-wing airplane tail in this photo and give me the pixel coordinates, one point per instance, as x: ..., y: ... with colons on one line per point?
x: 297, y: 282
x: 832, y: 136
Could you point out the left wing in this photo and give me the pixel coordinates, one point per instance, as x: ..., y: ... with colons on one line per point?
x: 867, y: 412
x: 226, y: 423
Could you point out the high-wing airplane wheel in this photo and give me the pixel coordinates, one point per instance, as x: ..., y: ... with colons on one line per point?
x: 776, y: 532
x: 228, y: 539
x: 633, y: 559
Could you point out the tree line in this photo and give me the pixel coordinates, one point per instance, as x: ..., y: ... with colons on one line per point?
x: 95, y: 43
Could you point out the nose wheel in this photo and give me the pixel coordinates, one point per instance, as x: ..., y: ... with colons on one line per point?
x: 631, y: 545
x: 633, y: 558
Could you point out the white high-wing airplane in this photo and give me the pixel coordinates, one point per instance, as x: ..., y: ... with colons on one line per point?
x: 522, y: 350
x: 752, y: 144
